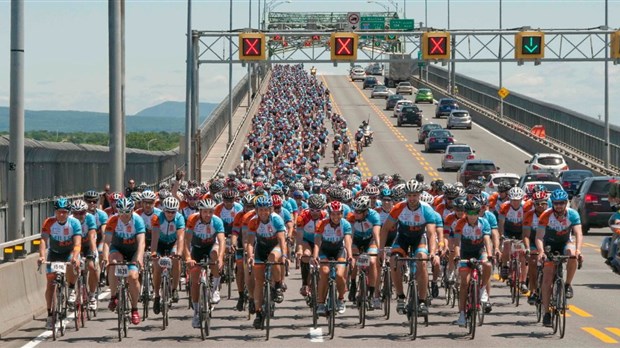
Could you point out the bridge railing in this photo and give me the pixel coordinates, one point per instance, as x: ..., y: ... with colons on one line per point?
x: 582, y: 133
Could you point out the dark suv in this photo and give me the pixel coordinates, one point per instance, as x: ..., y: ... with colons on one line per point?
x: 370, y: 82
x: 473, y: 169
x: 592, y: 202
x: 410, y: 115
x: 445, y: 106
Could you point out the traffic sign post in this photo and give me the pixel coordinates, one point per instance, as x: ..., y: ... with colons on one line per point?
x: 529, y: 45
x: 503, y: 92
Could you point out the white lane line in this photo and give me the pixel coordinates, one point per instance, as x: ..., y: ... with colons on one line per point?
x: 316, y: 335
x: 48, y: 333
x: 504, y: 140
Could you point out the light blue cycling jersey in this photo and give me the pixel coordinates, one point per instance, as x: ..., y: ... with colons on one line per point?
x: 168, y: 229
x: 363, y: 229
x: 101, y: 218
x: 88, y: 224
x: 438, y: 220
x: 491, y: 219
x: 285, y: 215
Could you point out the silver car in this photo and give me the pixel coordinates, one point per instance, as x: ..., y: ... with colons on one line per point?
x: 358, y: 74
x: 546, y: 163
x: 380, y: 91
x: 400, y: 104
x: 404, y: 87
x: 455, y: 155
x: 459, y: 118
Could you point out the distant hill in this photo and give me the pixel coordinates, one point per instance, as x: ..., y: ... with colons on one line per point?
x: 167, y: 116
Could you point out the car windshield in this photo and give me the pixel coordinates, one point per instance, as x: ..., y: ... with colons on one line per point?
x: 431, y: 126
x: 440, y: 134
x: 380, y: 88
x: 424, y: 91
x: 396, y: 96
x: 459, y: 149
x: 407, y: 84
x: 539, y: 177
x: 576, y: 175
x: 550, y: 186
x: 460, y: 114
x: 410, y: 109
x: 480, y: 167
x: 512, y: 181
x: 600, y: 186
x: 550, y: 161
x: 446, y: 102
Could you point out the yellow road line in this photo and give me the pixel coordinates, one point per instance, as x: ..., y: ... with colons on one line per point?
x: 599, y: 334
x: 580, y: 312
x: 613, y: 330
x: 591, y: 245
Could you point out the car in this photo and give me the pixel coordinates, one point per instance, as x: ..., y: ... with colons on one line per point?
x: 379, y: 91
x: 445, y: 106
x: 570, y: 179
x: 592, y: 201
x: 404, y: 87
x: 424, y: 95
x: 410, y: 115
x: 370, y: 82
x: 473, y: 169
x: 495, y: 179
x: 376, y: 70
x: 455, y: 155
x: 550, y: 186
x: 399, y: 105
x: 536, y: 177
x: 391, y: 101
x: 438, y: 139
x: 425, y: 129
x: 357, y: 74
x: 459, y: 118
x: 546, y: 163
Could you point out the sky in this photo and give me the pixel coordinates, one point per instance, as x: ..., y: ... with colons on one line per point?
x: 66, y: 49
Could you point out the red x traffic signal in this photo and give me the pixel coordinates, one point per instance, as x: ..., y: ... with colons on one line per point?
x: 343, y: 46
x: 252, y: 46
x: 436, y: 45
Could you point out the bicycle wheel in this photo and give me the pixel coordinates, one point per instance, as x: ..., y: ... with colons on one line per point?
x: 229, y: 274
x: 55, y: 311
x: 203, y: 312
x: 512, y: 280
x: 145, y: 294
x: 120, y: 313
x: 473, y: 304
x: 314, y: 298
x: 479, y: 308
x: 387, y: 292
x: 164, y: 301
x: 267, y: 307
x: 362, y: 298
x: 84, y: 312
x: 76, y: 305
x: 63, y: 309
x: 412, y: 308
x: 126, y: 310
x: 517, y: 282
x: 560, y: 306
x: 455, y: 294
x: 332, y: 309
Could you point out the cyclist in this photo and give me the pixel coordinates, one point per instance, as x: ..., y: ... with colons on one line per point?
x: 352, y: 157
x: 113, y: 198
x: 441, y: 242
x: 168, y: 239
x: 458, y: 212
x: 416, y: 233
x: 307, y: 223
x: 146, y: 213
x: 79, y: 210
x: 289, y: 223
x: 124, y: 239
x: 472, y: 237
x: 227, y: 211
x: 188, y: 206
x: 61, y: 241
x: 492, y: 220
x: 530, y: 224
x: 91, y: 198
x: 205, y: 237
x: 237, y: 242
x: 266, y: 241
x: 498, y: 198
x: 332, y: 241
x: 560, y: 228
x: 510, y: 225
x: 366, y: 226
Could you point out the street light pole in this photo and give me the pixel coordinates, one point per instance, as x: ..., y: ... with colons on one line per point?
x: 501, y: 81
x: 230, y: 71
x: 449, y: 66
x: 607, y: 147
x: 426, y: 23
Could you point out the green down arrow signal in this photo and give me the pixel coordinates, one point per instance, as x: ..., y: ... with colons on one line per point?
x: 531, y: 47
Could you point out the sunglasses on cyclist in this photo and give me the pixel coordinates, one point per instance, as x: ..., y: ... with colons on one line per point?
x: 473, y: 212
x: 79, y: 213
x: 559, y: 203
x: 124, y: 211
x: 315, y: 210
x: 170, y: 211
x: 540, y: 204
x: 360, y: 211
x: 91, y: 201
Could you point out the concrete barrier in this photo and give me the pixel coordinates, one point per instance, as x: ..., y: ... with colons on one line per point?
x: 22, y: 293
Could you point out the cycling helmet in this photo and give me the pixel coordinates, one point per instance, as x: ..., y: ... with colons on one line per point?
x: 451, y: 192
x: 446, y: 187
x: 539, y: 187
x: 115, y: 196
x: 217, y: 197
x: 398, y: 192
x: 361, y: 203
x: 473, y: 190
x: 371, y: 190
x: 143, y: 186
x: 299, y: 186
x: 413, y: 186
x: 460, y: 190
x: 475, y: 183
x: 193, y: 194
x: 516, y: 193
x: 335, y: 206
x: 259, y: 191
x: 473, y: 205
x: 539, y: 196
x: 62, y: 203
x: 459, y: 203
x: 559, y: 195
x: 216, y: 186
x: 419, y: 177
x: 482, y: 199
x: 263, y: 202
x: 277, y: 200
x: 91, y: 194
x: 206, y: 204
x: 148, y: 195
x: 503, y: 186
x: 242, y: 187
x: 136, y: 196
x: 78, y: 205
x: 125, y: 205
x: 427, y: 198
x: 316, y: 202
x: 164, y: 186
x: 347, y: 195
x: 248, y: 200
x: 163, y: 194
x: 170, y: 204
x: 277, y: 190
x: 437, y: 184
x: 267, y: 186
x: 386, y: 193
x: 229, y: 193
x: 183, y: 185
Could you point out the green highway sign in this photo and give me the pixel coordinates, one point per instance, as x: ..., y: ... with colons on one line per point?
x: 372, y: 19
x: 420, y: 64
x: 372, y: 25
x: 401, y: 24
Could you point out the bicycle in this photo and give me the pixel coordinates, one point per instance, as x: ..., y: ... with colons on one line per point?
x: 411, y: 307
x: 331, y: 295
x: 362, y: 264
x: 473, y: 306
x: 81, y: 311
x: 312, y: 299
x: 229, y: 267
x: 386, y: 281
x: 268, y: 303
x: 59, y: 297
x: 123, y: 308
x: 146, y: 291
x: 539, y: 275
x: 558, y: 304
x: 450, y: 286
x: 166, y: 288
x: 205, y: 307
x: 514, y: 274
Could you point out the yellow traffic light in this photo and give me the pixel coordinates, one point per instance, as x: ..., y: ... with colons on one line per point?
x: 615, y: 45
x: 530, y: 45
x: 252, y: 46
x: 343, y: 46
x: 436, y: 45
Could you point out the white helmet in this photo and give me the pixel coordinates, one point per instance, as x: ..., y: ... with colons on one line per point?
x: 426, y: 197
x: 516, y: 193
x: 170, y: 204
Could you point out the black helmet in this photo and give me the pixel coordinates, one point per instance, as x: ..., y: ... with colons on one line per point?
x: 460, y: 202
x: 473, y: 205
x: 503, y: 186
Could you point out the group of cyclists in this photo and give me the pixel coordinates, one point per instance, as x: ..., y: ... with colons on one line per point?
x: 278, y: 206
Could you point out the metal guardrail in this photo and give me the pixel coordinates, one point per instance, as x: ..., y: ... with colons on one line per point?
x: 582, y: 134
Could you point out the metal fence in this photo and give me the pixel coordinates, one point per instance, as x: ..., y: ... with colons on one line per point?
x: 572, y: 128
